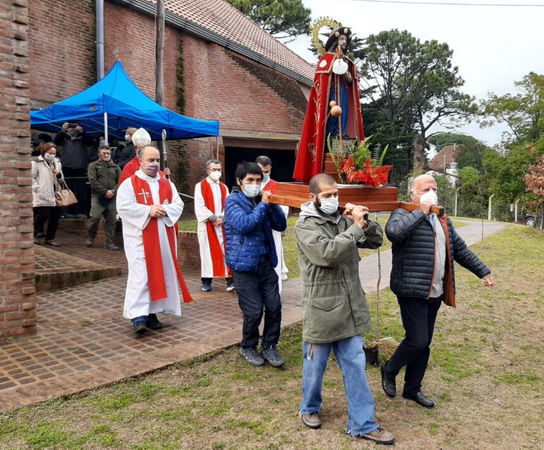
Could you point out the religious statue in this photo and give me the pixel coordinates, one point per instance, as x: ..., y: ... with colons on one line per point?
x: 334, y: 107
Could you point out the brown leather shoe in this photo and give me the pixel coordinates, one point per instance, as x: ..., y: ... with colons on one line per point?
x: 379, y: 436
x: 311, y: 420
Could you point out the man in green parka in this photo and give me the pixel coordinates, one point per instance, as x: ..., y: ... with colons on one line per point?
x: 335, y: 311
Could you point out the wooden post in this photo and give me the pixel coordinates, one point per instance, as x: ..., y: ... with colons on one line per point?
x: 159, y: 72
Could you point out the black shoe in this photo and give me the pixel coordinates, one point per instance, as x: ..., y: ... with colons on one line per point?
x: 153, y: 322
x: 419, y: 398
x: 388, y: 383
x: 139, y: 327
x: 252, y: 356
x: 273, y: 357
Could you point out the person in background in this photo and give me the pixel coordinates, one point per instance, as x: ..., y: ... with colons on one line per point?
x: 74, y: 158
x: 269, y: 184
x: 335, y: 313
x: 424, y: 249
x: 210, y: 196
x: 46, y: 173
x: 129, y: 150
x: 104, y: 178
x: 251, y: 255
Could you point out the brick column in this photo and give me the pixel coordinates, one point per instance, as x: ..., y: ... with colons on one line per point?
x: 17, y: 291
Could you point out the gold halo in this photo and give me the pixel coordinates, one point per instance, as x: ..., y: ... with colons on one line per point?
x: 319, y: 23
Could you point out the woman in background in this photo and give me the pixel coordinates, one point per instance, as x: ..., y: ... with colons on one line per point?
x: 46, y: 174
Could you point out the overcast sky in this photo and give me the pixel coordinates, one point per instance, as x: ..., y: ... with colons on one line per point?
x: 493, y: 46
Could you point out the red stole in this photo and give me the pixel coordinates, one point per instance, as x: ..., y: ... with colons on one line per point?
x: 449, y: 290
x: 311, y: 148
x: 217, y: 254
x: 271, y: 186
x: 152, y: 251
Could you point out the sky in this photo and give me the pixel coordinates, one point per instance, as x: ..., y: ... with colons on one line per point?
x: 493, y: 46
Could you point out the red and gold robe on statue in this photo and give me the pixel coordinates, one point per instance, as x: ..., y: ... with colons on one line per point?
x: 311, y: 149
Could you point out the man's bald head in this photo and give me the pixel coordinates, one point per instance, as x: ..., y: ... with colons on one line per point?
x: 317, y: 182
x: 420, y: 185
x: 150, y: 160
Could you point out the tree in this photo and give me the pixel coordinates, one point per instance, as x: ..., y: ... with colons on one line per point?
x: 535, y: 184
x: 472, y: 193
x: 281, y: 18
x: 442, y: 139
x: 523, y: 113
x: 413, y: 84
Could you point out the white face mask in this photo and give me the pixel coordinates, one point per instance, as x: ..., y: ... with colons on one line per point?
x: 127, y: 137
x: 215, y: 175
x: 329, y: 205
x: 50, y: 156
x: 266, y: 178
x: 429, y: 197
x: 251, y: 190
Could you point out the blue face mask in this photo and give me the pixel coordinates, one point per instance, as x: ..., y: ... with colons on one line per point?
x: 266, y: 178
x: 251, y: 190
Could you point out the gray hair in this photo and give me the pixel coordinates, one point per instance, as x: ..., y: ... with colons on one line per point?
x: 212, y: 161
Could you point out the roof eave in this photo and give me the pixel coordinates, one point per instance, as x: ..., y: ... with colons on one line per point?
x: 187, y: 26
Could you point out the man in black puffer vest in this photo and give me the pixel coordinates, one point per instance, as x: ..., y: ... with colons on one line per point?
x: 424, y: 250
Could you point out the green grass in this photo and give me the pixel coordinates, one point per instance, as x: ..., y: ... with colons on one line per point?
x: 486, y: 374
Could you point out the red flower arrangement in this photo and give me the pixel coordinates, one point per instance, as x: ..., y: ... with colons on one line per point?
x: 367, y: 174
x: 358, y: 167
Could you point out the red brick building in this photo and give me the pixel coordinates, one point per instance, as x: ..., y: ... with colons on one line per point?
x: 17, y: 291
x: 218, y: 65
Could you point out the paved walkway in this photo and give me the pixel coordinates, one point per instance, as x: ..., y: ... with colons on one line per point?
x: 83, y: 342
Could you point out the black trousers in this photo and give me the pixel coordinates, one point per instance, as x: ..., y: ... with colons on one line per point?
x: 418, y: 318
x: 258, y: 293
x: 49, y: 214
x: 76, y: 179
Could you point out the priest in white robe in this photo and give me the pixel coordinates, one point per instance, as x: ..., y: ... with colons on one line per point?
x: 149, y: 206
x: 268, y: 184
x: 210, y: 196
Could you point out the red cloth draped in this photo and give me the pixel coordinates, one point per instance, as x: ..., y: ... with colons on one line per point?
x: 152, y: 248
x: 271, y: 186
x: 311, y: 148
x: 217, y: 253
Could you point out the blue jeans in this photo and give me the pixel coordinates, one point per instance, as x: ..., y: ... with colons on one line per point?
x: 351, y: 360
x: 259, y: 293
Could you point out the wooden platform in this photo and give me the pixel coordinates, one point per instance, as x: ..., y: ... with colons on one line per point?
x: 376, y: 199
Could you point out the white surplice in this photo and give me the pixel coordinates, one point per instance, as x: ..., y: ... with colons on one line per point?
x: 135, y: 217
x: 203, y: 214
x: 281, y: 268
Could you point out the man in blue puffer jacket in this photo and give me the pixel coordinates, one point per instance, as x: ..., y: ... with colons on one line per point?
x: 424, y: 250
x: 251, y: 255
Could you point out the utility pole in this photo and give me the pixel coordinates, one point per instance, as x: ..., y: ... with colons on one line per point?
x: 159, y: 72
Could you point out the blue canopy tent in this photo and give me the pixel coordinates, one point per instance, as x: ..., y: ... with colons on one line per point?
x: 115, y: 103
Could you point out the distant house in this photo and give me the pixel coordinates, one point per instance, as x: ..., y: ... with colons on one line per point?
x: 218, y: 64
x: 445, y: 162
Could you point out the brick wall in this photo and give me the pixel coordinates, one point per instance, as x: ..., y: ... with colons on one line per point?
x: 219, y: 84
x: 17, y: 291
x: 61, y: 47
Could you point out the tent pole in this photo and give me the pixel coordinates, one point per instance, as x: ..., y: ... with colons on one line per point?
x: 106, y: 127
